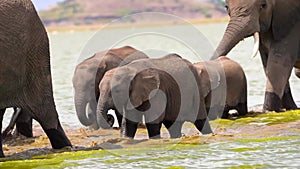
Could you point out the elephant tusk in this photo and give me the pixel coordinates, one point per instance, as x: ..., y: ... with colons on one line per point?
x: 256, y: 44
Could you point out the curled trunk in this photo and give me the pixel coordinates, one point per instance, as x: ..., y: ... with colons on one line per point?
x: 102, y: 117
x: 80, y: 105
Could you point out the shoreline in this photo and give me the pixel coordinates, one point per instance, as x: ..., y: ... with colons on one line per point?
x: 129, y: 25
x: 261, y: 127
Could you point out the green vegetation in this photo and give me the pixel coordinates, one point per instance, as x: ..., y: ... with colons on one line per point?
x: 124, y: 12
x: 249, y: 166
x: 65, y: 10
x: 219, y: 2
x: 263, y: 119
x: 75, y: 12
x: 165, y: 150
x: 267, y: 139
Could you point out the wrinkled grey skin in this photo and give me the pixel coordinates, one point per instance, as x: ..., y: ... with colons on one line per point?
x: 164, y: 90
x: 278, y: 24
x: 25, y: 80
x: 88, y: 75
x: 224, y: 85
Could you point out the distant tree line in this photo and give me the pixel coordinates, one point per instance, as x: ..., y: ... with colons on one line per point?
x: 219, y: 2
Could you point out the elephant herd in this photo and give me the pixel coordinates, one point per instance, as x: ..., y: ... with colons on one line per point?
x: 168, y: 90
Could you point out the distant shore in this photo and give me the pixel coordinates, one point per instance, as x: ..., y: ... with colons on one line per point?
x: 128, y: 25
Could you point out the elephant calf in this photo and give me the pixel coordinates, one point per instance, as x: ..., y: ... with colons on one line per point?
x: 224, y: 84
x: 88, y: 75
x: 164, y: 90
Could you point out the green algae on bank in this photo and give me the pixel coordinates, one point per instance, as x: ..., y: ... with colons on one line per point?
x: 164, y: 150
x: 260, y: 119
x: 248, y: 166
x: 267, y: 139
x: 58, y: 160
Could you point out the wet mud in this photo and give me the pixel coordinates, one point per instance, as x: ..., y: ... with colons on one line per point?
x: 252, y: 128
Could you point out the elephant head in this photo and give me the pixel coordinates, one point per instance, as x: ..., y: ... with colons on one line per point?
x: 84, y: 93
x: 88, y: 75
x: 125, y: 88
x: 253, y: 17
x: 209, y: 76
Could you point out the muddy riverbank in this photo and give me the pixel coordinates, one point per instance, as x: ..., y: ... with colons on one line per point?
x: 253, y: 128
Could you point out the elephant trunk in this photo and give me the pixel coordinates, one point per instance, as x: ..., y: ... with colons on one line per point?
x: 237, y: 29
x: 80, y: 105
x: 102, y: 117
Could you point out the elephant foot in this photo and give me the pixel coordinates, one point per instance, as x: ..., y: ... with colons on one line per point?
x: 1, y: 150
x: 174, y: 128
x: 242, y: 109
x: 1, y: 155
x: 272, y: 102
x: 288, y: 102
x: 24, y: 129
x: 57, y: 139
x: 153, y: 130
x: 203, y: 126
x: 128, y: 128
x: 8, y: 132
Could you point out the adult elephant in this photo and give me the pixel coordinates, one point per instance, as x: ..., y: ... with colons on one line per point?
x: 275, y: 25
x: 164, y: 90
x: 88, y: 75
x: 25, y: 80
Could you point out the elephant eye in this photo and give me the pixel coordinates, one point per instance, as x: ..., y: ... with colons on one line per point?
x: 263, y: 6
x: 227, y: 9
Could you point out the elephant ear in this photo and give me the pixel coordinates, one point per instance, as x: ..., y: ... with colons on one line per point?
x: 141, y: 87
x: 286, y: 13
x: 210, y: 78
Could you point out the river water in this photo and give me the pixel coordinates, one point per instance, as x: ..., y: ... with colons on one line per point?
x: 68, y: 48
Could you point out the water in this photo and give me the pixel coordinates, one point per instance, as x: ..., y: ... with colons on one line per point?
x: 218, y: 155
x: 67, y: 48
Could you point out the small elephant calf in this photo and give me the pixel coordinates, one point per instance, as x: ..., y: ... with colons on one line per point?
x: 224, y: 85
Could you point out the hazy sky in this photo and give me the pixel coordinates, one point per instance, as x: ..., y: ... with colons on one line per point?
x: 43, y: 4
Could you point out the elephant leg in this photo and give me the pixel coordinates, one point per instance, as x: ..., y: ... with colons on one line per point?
x: 128, y: 128
x: 130, y: 123
x: 281, y: 59
x: 48, y: 119
x: 287, y: 99
x: 153, y: 130
x: 1, y: 119
x: 174, y: 128
x: 119, y: 118
x: 277, y: 78
x: 203, y: 126
x: 57, y: 137
x: 225, y: 114
x: 242, y: 109
x: 214, y: 112
x: 24, y: 124
x: 9, y: 129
